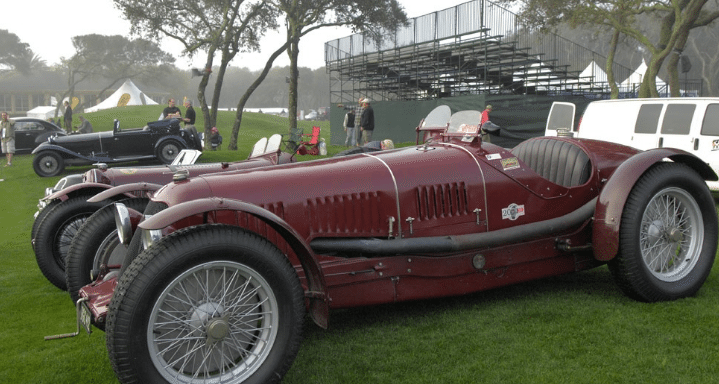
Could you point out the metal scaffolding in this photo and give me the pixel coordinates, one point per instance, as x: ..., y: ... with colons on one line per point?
x: 476, y: 47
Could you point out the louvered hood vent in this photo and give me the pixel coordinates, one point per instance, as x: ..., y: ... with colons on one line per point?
x: 441, y: 201
x: 357, y: 214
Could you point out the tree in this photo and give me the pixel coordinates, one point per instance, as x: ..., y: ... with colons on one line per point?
x: 112, y: 57
x: 227, y: 26
x: 377, y: 19
x: 675, y: 18
x: 16, y: 55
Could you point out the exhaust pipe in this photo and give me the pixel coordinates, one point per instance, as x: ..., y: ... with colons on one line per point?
x: 445, y: 244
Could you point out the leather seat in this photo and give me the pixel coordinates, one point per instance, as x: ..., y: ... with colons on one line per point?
x: 560, y: 162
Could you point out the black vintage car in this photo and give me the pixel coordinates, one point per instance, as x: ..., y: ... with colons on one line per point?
x: 161, y: 140
x: 29, y: 132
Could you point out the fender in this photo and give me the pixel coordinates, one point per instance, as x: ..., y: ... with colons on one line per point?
x: 124, y: 189
x: 608, y: 213
x: 57, y: 148
x: 73, y: 190
x: 317, y: 288
x: 173, y: 137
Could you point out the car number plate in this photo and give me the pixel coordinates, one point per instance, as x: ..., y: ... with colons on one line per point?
x: 85, y: 317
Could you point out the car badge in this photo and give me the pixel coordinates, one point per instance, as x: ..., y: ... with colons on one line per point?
x: 511, y: 163
x: 513, y: 212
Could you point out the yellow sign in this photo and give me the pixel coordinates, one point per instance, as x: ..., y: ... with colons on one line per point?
x: 75, y: 102
x: 124, y: 99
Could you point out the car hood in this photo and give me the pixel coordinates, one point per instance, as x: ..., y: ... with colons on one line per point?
x: 163, y: 174
x: 79, y: 138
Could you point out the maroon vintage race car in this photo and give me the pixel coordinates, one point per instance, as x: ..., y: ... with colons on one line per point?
x: 221, y: 269
x: 65, y: 207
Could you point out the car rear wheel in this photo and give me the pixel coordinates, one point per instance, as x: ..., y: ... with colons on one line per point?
x: 668, y: 235
x: 96, y: 243
x: 55, y: 233
x: 210, y: 303
x: 167, y: 151
x: 48, y: 163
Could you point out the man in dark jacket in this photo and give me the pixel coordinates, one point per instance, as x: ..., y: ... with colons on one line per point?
x: 367, y: 121
x: 68, y: 117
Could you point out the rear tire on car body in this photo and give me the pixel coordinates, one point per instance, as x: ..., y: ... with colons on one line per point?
x: 202, y: 295
x: 48, y: 163
x: 96, y: 243
x: 168, y: 150
x: 668, y: 235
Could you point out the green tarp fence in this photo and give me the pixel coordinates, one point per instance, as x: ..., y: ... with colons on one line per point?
x: 520, y: 116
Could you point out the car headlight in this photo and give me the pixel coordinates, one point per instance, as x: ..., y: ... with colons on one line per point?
x: 123, y: 223
x: 150, y: 236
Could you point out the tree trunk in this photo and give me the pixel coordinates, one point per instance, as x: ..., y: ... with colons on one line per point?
x: 293, y: 51
x: 610, y: 65
x: 243, y: 100
x: 201, y: 93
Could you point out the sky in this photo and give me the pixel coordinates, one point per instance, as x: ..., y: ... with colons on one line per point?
x: 48, y: 26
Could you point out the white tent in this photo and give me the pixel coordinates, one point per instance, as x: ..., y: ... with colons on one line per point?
x: 127, y: 94
x: 43, y: 112
x: 632, y: 83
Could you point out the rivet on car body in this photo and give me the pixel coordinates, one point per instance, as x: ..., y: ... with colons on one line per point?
x: 478, y: 261
x: 410, y: 220
x: 477, y: 211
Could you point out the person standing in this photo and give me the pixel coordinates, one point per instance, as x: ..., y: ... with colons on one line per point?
x: 349, y: 124
x: 485, y: 115
x: 7, y: 129
x: 68, y: 117
x: 85, y: 126
x: 358, y: 114
x: 189, y: 118
x: 171, y: 111
x: 367, y: 121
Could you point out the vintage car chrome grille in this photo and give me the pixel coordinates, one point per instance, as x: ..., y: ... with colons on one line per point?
x: 442, y: 200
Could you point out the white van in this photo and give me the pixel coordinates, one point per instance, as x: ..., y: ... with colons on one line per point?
x: 687, y: 123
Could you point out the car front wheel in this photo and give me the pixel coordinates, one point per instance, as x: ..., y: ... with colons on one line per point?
x: 55, y: 233
x: 96, y: 243
x: 168, y: 150
x: 668, y: 235
x: 206, y: 304
x: 48, y: 163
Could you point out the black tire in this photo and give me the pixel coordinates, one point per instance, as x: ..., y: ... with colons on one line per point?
x: 54, y: 235
x: 40, y: 217
x: 96, y: 243
x: 356, y: 150
x: 168, y: 150
x: 259, y: 288
x: 668, y: 235
x: 48, y: 163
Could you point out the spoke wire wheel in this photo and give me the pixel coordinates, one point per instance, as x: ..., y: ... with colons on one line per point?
x: 168, y: 151
x: 671, y: 234
x: 215, y: 321
x: 64, y: 237
x: 48, y: 164
x: 668, y: 235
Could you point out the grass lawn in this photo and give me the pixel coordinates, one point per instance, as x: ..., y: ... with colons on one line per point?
x: 576, y: 328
